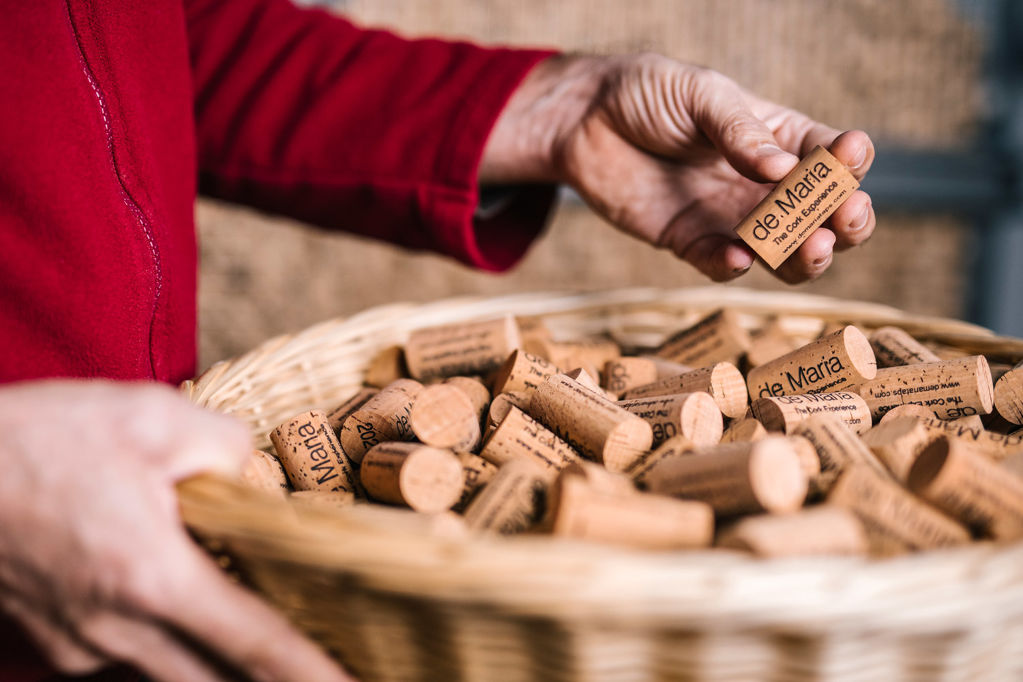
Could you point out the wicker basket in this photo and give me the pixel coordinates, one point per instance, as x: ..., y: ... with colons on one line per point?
x: 398, y: 606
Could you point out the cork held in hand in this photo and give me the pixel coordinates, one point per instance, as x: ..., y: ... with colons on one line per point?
x: 797, y: 206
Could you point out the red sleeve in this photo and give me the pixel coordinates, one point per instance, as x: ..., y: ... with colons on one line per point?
x: 301, y: 113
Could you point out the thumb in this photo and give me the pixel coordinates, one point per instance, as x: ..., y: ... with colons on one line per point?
x: 722, y: 113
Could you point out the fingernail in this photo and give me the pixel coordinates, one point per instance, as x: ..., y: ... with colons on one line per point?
x: 822, y: 261
x: 861, y: 220
x: 861, y: 157
x: 770, y: 150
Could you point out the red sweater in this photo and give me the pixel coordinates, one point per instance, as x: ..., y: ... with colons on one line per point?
x: 114, y: 112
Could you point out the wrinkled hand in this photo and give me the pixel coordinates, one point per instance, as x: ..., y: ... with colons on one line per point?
x: 673, y: 154
x: 94, y: 562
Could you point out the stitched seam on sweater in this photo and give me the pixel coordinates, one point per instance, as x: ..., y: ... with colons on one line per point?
x: 240, y: 171
x: 129, y: 201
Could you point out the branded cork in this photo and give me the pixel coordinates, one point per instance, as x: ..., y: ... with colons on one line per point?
x: 572, y: 354
x: 589, y: 422
x: 895, y: 521
x: 797, y: 206
x: 443, y: 416
x: 821, y: 530
x: 838, y: 448
x: 736, y: 478
x: 973, y: 421
x: 421, y: 477
x: 950, y: 388
x: 478, y: 473
x: 624, y: 373
x: 386, y: 366
x: 381, y: 419
x: 744, y: 430
x: 265, y: 472
x: 318, y: 499
x: 337, y: 416
x: 723, y: 381
x: 770, y: 343
x: 519, y: 436
x: 522, y: 372
x: 461, y: 349
x: 678, y: 446
x: 831, y: 363
x: 784, y: 412
x: 588, y: 378
x: 512, y: 502
x: 502, y: 404
x: 638, y: 520
x: 897, y: 443
x: 599, y: 479
x: 907, y: 410
x: 997, y: 446
x: 971, y: 487
x: 693, y: 415
x: 810, y: 462
x: 312, y: 456
x: 475, y: 391
x: 718, y: 337
x: 1009, y: 395
x: 893, y: 347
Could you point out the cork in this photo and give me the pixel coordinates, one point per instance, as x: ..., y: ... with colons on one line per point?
x: 638, y: 520
x: 532, y: 328
x: 736, y: 478
x: 679, y: 446
x: 571, y: 354
x: 770, y: 343
x: 784, y: 412
x: 624, y: 373
x: 502, y: 404
x: 522, y: 372
x: 667, y: 368
x: 693, y: 415
x: 318, y: 499
x: 381, y: 419
x: 590, y: 423
x: 1013, y: 463
x: 265, y: 472
x: 443, y: 416
x: 475, y: 391
x: 950, y: 388
x: 421, y: 477
x: 461, y: 349
x: 997, y: 446
x: 897, y: 443
x: 718, y: 337
x: 830, y: 363
x: 973, y: 421
x: 810, y: 463
x: 478, y: 473
x: 589, y: 379
x: 893, y: 347
x: 599, y: 479
x: 971, y: 487
x: 744, y: 430
x: 838, y: 448
x: 312, y: 456
x: 512, y: 502
x: 519, y: 436
x: 895, y: 521
x: 907, y: 410
x: 723, y: 381
x: 386, y: 367
x: 1009, y: 395
x: 797, y: 206
x: 821, y: 530
x: 337, y: 416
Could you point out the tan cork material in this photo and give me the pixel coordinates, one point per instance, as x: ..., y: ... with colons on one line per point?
x: 571, y: 354
x: 443, y: 416
x: 897, y: 443
x: 893, y: 347
x: 502, y: 404
x: 421, y: 477
x: 624, y: 373
x: 718, y: 337
x: 381, y: 419
x: 478, y: 473
x: 693, y: 415
x: 785, y: 412
x: 312, y: 456
x: 831, y: 363
x: 386, y: 366
x: 337, y: 416
x: 820, y: 530
x: 723, y: 381
x: 519, y: 436
x: 744, y: 431
x: 522, y: 372
x: 950, y: 388
x: 473, y: 348
x: 838, y: 448
x: 265, y: 472
x: 512, y: 502
x: 1009, y: 395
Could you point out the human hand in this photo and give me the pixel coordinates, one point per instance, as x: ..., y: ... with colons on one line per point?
x: 673, y: 154
x: 94, y: 562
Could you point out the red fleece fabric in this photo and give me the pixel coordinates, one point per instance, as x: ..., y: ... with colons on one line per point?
x: 115, y: 113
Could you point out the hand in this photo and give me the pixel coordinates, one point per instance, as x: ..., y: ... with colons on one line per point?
x: 94, y: 562
x: 673, y: 154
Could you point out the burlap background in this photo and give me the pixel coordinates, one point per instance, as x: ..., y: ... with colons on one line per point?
x: 907, y: 72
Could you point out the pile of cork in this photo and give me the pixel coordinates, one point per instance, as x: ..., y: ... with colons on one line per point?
x: 766, y: 440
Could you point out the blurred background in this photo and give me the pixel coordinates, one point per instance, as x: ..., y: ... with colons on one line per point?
x: 937, y: 84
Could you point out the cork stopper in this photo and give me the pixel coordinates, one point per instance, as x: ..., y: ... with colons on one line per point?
x: 950, y: 388
x: 970, y: 487
x: 443, y: 416
x: 821, y: 530
x: 318, y: 499
x: 673, y: 447
x: 592, y: 424
x: 1009, y: 395
x: 502, y: 404
x: 897, y: 443
x: 624, y: 373
x: 838, y: 448
x: 263, y: 471
x: 475, y: 391
x: 478, y: 473
x: 522, y: 372
x: 386, y: 367
x: 893, y: 347
x: 532, y: 328
x: 907, y: 410
x: 381, y: 419
x: 421, y: 477
x: 588, y: 378
x: 337, y: 416
x: 810, y: 462
x: 997, y: 446
x: 770, y: 343
x: 474, y: 348
x: 512, y: 502
x: 312, y: 456
x: 744, y: 430
x: 785, y: 412
x: 593, y: 352
x: 797, y: 206
x: 519, y: 436
x: 723, y: 381
x: 599, y: 479
x: 737, y: 478
x: 693, y: 415
x: 830, y: 363
x: 718, y: 337
x: 667, y: 368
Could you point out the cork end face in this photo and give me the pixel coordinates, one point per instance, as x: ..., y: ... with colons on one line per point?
x: 627, y: 442
x: 504, y: 372
x: 928, y: 464
x: 729, y: 390
x: 985, y: 385
x: 701, y: 419
x: 443, y: 416
x: 431, y: 480
x: 860, y: 352
x: 769, y: 413
x: 777, y: 478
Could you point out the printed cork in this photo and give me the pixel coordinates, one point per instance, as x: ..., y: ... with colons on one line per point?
x: 628, y: 372
x: 443, y: 416
x: 475, y: 391
x: 831, y: 363
x: 693, y: 415
x: 997, y: 446
x: 522, y: 372
x: 421, y: 477
x: 744, y: 431
x: 502, y: 404
x: 572, y: 354
x: 723, y: 381
x: 838, y: 448
x: 893, y: 347
x: 312, y: 456
x: 785, y: 412
x: 719, y: 337
x: 512, y: 502
x: 386, y: 366
x: 478, y: 473
x: 339, y: 414
x: 519, y: 436
x: 475, y: 348
x: 381, y: 419
x: 821, y: 530
x: 673, y: 447
x: 897, y: 443
x: 950, y: 388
